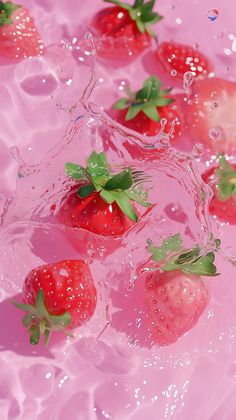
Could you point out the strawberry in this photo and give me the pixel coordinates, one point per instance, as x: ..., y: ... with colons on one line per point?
x: 59, y: 297
x: 180, y: 59
x: 19, y: 37
x: 222, y: 179
x: 100, y: 202
x: 176, y: 296
x: 143, y: 110
x: 211, y: 116
x: 125, y: 30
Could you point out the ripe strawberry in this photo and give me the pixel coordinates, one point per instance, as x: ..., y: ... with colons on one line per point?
x: 19, y: 37
x: 101, y: 203
x: 59, y: 296
x: 176, y: 297
x: 222, y: 179
x: 211, y: 117
x: 183, y: 58
x: 125, y: 29
x: 143, y: 110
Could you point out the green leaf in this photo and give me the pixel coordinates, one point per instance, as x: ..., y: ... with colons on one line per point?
x: 139, y: 197
x: 47, y: 335
x: 27, y: 320
x: 224, y: 191
x: 76, y: 171
x: 188, y: 256
x: 108, y: 196
x: 138, y: 3
x: 203, y: 266
x: 6, y: 11
x: 169, y: 245
x: 98, y: 166
x: 34, y: 334
x: 188, y: 263
x: 125, y: 204
x: 122, y: 181
x: 60, y: 321
x: 40, y: 306
x: 122, y: 103
x: 140, y: 26
x: 133, y: 111
x: 86, y: 190
x: 23, y: 307
x: 151, y: 112
x: 163, y: 101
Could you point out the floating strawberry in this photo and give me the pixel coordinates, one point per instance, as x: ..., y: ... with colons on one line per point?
x: 176, y: 296
x: 59, y: 297
x: 142, y: 110
x: 222, y: 179
x: 19, y: 37
x: 211, y: 116
x: 126, y: 30
x: 102, y: 203
x: 178, y: 59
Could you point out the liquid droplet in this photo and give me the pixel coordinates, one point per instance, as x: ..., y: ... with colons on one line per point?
x: 212, y: 15
x: 173, y: 73
x: 188, y: 79
x: 215, y: 133
x: 198, y: 150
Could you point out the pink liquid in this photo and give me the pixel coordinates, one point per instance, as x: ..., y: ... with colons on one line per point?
x: 107, y: 372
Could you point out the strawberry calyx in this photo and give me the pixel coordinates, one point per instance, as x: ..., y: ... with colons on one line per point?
x: 141, y: 13
x: 174, y: 257
x: 120, y: 188
x: 226, y: 184
x: 6, y: 11
x: 148, y: 99
x: 39, y: 322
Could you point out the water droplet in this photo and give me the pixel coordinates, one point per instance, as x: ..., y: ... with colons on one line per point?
x: 214, y: 105
x: 188, y: 79
x: 173, y: 72
x: 198, y: 150
x: 215, y: 133
x: 212, y: 15
x: 219, y: 35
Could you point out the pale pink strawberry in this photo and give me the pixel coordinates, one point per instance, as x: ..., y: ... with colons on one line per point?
x: 174, y: 302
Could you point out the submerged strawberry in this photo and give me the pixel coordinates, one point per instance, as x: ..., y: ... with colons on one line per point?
x: 59, y: 297
x: 211, y: 114
x: 101, y: 203
x: 126, y: 30
x: 176, y: 297
x: 143, y: 110
x: 180, y: 59
x: 222, y: 179
x: 19, y: 37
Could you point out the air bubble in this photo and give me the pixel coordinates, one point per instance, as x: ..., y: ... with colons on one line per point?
x: 173, y: 72
x: 213, y: 15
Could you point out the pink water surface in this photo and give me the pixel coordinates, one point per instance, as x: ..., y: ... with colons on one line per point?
x: 115, y: 376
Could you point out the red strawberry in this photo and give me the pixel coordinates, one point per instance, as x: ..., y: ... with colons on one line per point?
x: 176, y: 297
x: 142, y: 110
x: 59, y: 296
x: 211, y: 117
x: 222, y: 179
x: 125, y: 29
x: 101, y: 203
x: 19, y: 37
x: 183, y: 58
